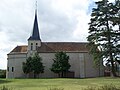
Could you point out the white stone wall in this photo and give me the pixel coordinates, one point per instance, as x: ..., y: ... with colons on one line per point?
x: 75, y: 64
x: 90, y: 69
x: 15, y: 61
x: 34, y: 44
x: 47, y: 62
x: 94, y: 71
x: 81, y: 64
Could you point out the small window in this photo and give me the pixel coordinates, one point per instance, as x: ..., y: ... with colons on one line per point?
x: 12, y: 69
x: 31, y: 46
x: 36, y: 45
x: 7, y: 68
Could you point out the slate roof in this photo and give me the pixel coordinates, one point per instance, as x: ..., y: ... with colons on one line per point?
x: 55, y: 47
x: 35, y: 33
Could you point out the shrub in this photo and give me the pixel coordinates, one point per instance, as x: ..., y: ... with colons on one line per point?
x: 2, y: 73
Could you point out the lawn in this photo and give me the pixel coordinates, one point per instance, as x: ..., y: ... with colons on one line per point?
x: 65, y: 83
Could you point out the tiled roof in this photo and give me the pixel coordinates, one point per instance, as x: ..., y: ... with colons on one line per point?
x: 63, y: 46
x: 55, y: 47
x: 19, y: 49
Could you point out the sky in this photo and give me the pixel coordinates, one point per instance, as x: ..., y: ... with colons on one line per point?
x: 59, y: 21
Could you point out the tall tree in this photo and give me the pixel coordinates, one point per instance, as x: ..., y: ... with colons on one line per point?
x: 103, y: 35
x: 60, y: 63
x: 33, y: 64
x: 37, y: 65
x: 116, y: 22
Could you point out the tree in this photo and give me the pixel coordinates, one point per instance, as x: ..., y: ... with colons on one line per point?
x: 27, y: 66
x: 116, y: 22
x: 103, y: 35
x: 37, y: 65
x: 33, y: 64
x: 60, y: 63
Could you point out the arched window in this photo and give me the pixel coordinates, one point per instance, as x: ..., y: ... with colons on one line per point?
x: 31, y: 46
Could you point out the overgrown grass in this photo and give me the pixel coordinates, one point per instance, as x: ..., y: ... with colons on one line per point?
x: 56, y: 89
x: 105, y: 87
x: 59, y: 83
x: 5, y: 88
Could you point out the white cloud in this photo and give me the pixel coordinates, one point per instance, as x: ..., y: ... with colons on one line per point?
x: 81, y: 30
x: 101, y: 0
x: 57, y: 19
x: 77, y: 10
x: 70, y: 7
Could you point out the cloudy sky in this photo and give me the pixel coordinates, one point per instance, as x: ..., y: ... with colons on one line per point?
x: 59, y: 20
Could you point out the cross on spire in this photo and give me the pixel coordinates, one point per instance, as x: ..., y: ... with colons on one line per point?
x: 36, y: 5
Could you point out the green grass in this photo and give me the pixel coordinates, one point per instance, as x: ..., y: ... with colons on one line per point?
x: 59, y: 83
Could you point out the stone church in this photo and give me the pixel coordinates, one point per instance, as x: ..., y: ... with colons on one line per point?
x: 81, y: 61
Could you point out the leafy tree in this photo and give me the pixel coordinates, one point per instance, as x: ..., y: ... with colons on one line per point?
x: 27, y: 66
x: 37, y: 65
x: 61, y: 63
x: 104, y: 32
x: 33, y: 64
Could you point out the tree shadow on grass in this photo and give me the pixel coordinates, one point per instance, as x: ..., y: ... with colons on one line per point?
x: 4, y: 81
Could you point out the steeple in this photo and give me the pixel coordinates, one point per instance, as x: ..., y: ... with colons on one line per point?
x: 35, y: 33
x: 34, y: 40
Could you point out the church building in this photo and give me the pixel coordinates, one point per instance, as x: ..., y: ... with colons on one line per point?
x: 81, y: 61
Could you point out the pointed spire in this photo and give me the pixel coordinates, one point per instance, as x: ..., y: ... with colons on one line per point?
x: 35, y: 33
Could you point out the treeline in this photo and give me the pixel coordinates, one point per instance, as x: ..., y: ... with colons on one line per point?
x: 2, y: 73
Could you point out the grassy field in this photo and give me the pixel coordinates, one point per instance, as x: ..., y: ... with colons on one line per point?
x: 66, y: 84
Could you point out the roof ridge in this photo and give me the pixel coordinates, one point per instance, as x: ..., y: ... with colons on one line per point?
x: 21, y: 45
x: 65, y: 42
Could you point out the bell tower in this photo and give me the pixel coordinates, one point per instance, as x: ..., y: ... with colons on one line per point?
x: 34, y: 40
